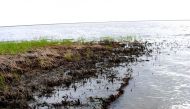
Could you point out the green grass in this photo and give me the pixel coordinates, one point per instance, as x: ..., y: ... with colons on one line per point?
x: 12, y: 47
x: 118, y: 38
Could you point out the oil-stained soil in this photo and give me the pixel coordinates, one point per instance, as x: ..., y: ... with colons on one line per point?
x: 77, y: 76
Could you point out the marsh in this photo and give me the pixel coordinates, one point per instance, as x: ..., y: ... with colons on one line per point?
x: 159, y: 80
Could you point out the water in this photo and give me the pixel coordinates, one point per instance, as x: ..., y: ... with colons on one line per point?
x: 93, y: 30
x: 88, y: 90
x: 161, y: 83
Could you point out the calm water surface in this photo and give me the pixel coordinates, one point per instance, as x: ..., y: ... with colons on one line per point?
x: 161, y: 83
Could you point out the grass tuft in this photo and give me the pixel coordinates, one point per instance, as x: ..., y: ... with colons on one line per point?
x: 89, y: 53
x: 81, y: 40
x: 2, y: 82
x: 13, y: 47
x: 68, y: 55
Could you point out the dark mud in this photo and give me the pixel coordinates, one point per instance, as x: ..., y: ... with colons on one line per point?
x: 63, y: 73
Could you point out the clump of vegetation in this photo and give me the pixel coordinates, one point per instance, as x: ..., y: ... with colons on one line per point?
x: 88, y: 53
x: 71, y: 56
x: 14, y: 47
x: 81, y: 40
x: 16, y: 76
x: 129, y: 38
x: 107, y: 39
x: 109, y: 46
x: 2, y: 82
x: 126, y: 38
x: 67, y: 42
x: 77, y: 57
x: 68, y: 55
x: 45, y: 61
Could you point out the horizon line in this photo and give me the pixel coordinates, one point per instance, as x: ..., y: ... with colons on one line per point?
x: 90, y: 22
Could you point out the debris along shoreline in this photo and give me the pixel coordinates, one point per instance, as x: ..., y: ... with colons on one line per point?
x: 38, y: 71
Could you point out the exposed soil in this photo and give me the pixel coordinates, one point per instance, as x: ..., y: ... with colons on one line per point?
x: 37, y: 72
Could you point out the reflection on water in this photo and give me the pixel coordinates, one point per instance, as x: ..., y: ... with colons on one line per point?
x: 161, y: 83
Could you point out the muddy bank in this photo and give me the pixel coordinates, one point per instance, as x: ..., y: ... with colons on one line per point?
x: 37, y: 72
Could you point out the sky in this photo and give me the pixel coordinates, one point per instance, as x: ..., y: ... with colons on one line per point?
x: 28, y: 12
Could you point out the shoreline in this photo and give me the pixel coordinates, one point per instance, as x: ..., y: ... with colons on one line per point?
x: 25, y: 74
